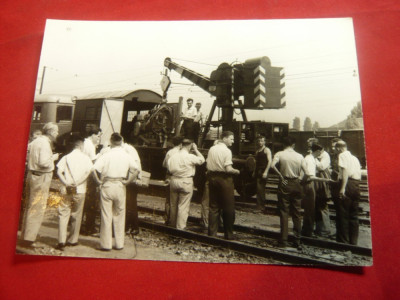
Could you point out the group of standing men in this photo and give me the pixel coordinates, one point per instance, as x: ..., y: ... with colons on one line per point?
x: 83, y: 175
x: 303, y: 182
x: 180, y: 164
x: 307, y: 181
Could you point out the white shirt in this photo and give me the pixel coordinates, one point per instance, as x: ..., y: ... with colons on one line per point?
x: 198, y: 117
x: 169, y: 154
x: 351, y: 164
x: 89, y: 149
x: 323, y: 162
x: 40, y: 157
x: 115, y: 163
x: 218, y: 158
x: 190, y: 112
x: 289, y: 161
x: 183, y: 164
x: 133, y: 153
x: 79, y: 165
x: 310, y: 165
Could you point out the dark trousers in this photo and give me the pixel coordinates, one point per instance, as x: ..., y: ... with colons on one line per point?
x: 309, y: 209
x: 289, y: 200
x: 261, y: 182
x: 322, y: 220
x: 196, y: 132
x: 90, y: 209
x: 131, y: 214
x: 187, y: 127
x: 221, y: 191
x: 347, y: 213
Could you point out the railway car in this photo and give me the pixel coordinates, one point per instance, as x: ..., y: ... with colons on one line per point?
x: 53, y: 108
x: 353, y: 138
x: 56, y: 108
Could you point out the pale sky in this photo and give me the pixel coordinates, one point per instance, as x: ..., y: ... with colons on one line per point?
x: 319, y: 57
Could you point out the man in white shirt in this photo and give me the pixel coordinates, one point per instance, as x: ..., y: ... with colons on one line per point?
x: 322, y: 195
x: 40, y: 165
x: 221, y: 188
x: 188, y: 118
x: 309, y: 166
x: 182, y: 167
x: 289, y: 189
x: 132, y: 217
x: 349, y: 195
x: 73, y: 170
x: 90, y: 209
x: 117, y: 169
x: 197, y: 123
x: 177, y: 142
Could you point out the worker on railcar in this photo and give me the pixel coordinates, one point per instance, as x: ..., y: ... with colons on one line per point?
x: 197, y: 123
x: 188, y: 116
x: 182, y: 167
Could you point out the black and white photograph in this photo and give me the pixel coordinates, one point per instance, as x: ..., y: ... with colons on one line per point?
x: 232, y: 141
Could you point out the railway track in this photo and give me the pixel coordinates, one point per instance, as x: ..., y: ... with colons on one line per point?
x: 263, y: 243
x: 271, y: 209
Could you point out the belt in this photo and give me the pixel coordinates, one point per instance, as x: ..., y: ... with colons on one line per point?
x: 113, y: 178
x: 352, y: 179
x: 290, y: 178
x: 217, y: 173
x: 39, y: 173
x: 177, y: 177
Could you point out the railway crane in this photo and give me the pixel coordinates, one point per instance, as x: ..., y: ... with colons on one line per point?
x: 252, y: 85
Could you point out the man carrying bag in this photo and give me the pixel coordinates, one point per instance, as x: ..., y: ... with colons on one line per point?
x: 73, y: 171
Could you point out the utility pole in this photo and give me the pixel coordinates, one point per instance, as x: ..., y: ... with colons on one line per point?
x: 41, y: 82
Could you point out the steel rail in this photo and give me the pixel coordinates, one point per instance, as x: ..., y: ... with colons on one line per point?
x: 321, y: 243
x: 237, y: 246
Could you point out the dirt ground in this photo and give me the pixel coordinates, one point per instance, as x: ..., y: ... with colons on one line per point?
x: 147, y: 245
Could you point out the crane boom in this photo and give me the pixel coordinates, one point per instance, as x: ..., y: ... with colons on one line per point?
x: 198, y: 79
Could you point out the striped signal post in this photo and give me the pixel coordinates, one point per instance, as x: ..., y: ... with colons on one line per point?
x: 264, y: 84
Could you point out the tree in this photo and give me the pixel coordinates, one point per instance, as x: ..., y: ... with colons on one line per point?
x: 356, y: 113
x: 296, y: 123
x: 315, y: 127
x: 307, y: 124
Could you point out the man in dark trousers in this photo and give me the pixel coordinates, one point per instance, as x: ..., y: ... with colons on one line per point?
x: 188, y: 117
x: 221, y: 189
x: 349, y: 195
x: 90, y: 209
x: 263, y: 164
x: 289, y: 190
